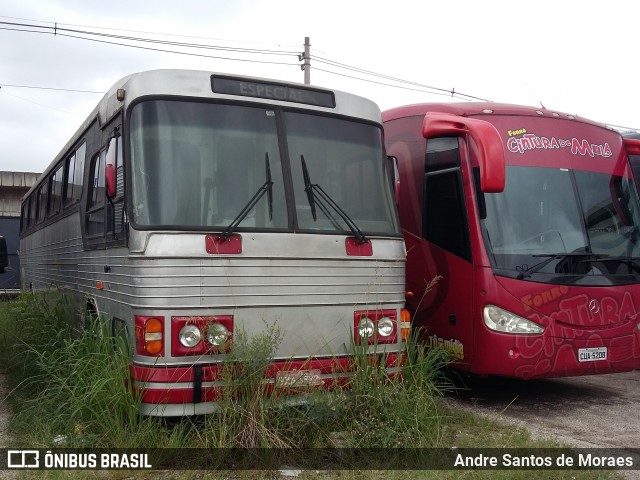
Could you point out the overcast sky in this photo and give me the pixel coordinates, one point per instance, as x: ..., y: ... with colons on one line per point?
x: 574, y: 56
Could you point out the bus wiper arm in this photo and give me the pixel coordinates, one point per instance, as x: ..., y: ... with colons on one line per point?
x: 308, y: 188
x: 632, y: 262
x: 316, y: 195
x: 267, y: 187
x: 527, y: 272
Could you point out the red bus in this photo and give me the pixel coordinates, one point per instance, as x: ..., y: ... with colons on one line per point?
x: 521, y: 229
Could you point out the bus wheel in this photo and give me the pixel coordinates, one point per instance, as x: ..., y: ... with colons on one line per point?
x: 91, y: 312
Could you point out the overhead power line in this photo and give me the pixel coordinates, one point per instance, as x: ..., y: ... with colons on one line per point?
x: 76, y: 33
x: 38, y: 103
x: 419, y: 86
x: 49, y: 88
x: 57, y: 29
x: 163, y: 34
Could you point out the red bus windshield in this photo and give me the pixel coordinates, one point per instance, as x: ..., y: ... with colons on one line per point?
x: 570, y: 212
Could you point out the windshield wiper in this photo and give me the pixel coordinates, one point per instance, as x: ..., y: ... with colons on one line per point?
x: 632, y: 262
x: 528, y: 271
x: 267, y: 187
x: 317, y: 196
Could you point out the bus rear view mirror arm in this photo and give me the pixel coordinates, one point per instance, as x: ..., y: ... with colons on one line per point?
x: 486, y: 138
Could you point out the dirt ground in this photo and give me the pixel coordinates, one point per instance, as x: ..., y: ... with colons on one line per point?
x: 593, y: 411
x: 600, y: 411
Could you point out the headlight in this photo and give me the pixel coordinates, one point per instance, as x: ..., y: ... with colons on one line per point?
x: 501, y: 320
x: 217, y: 334
x: 190, y: 336
x: 365, y: 327
x: 385, y: 327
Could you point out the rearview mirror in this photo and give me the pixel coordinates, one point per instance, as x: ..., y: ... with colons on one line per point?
x: 486, y: 137
x: 110, y: 180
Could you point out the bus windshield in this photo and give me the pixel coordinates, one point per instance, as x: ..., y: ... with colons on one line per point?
x: 198, y: 165
x: 563, y: 222
x: 344, y: 159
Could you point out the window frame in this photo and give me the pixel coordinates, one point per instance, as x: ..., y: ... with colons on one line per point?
x: 434, y: 171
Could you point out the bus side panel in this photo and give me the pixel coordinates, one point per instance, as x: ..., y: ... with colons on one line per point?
x: 50, y: 256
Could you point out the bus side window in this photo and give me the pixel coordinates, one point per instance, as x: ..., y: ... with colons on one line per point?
x: 115, y: 212
x: 42, y: 201
x: 445, y: 220
x: 33, y: 204
x: 57, y: 182
x: 74, y: 175
x: 95, y: 226
x: 23, y: 218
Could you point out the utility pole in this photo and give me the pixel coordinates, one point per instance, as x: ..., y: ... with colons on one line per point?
x: 306, y: 66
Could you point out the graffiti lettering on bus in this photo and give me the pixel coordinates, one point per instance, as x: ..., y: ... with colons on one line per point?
x: 530, y: 141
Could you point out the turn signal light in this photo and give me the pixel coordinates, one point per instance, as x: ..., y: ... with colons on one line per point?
x: 405, y: 324
x: 149, y: 333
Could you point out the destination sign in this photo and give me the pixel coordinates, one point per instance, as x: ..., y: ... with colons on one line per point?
x: 272, y: 91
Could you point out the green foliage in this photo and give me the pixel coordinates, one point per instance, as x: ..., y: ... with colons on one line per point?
x: 391, y: 412
x: 69, y: 384
x: 72, y: 387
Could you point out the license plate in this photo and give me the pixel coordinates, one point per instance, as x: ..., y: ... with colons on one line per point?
x: 298, y: 378
x: 592, y: 354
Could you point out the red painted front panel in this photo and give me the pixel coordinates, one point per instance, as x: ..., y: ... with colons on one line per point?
x: 569, y: 324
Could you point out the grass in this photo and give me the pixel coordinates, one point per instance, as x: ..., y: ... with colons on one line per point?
x: 69, y: 389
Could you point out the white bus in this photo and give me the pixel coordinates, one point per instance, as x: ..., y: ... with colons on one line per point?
x: 191, y: 206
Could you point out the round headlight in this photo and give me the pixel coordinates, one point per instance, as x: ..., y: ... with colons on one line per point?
x: 365, y: 327
x: 385, y: 327
x: 217, y: 334
x: 190, y: 336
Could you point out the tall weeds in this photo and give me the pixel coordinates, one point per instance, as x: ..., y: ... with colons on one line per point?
x: 71, y: 389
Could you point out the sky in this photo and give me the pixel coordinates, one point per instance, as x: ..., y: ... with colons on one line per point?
x: 572, y: 56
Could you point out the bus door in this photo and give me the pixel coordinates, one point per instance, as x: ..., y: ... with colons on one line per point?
x: 445, y: 229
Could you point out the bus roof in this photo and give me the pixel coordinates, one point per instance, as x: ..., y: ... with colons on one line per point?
x: 467, y: 109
